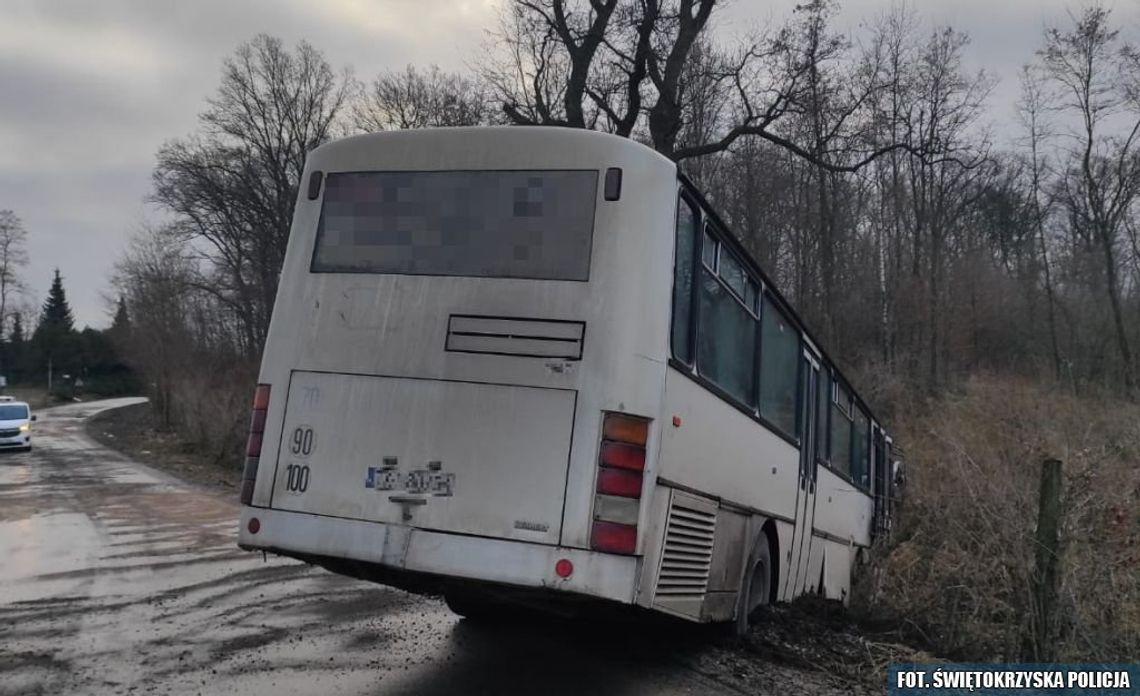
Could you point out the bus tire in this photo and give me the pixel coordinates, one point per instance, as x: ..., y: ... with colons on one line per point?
x: 471, y: 606
x: 756, y: 585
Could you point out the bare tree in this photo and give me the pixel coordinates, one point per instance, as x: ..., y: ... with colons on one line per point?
x: 182, y: 340
x: 419, y: 99
x: 1093, y: 72
x: 949, y: 104
x: 628, y: 66
x: 13, y: 258
x: 1033, y: 113
x: 232, y: 186
x: 154, y: 278
x: 526, y: 70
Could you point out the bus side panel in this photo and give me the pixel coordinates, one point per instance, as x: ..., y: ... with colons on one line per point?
x: 722, y: 452
x: 785, y: 531
x: 279, y: 355
x: 653, y: 526
x: 623, y: 365
x: 842, y: 510
x: 837, y: 562
x: 731, y: 547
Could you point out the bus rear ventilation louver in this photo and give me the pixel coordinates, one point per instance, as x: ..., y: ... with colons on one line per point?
x: 687, y: 556
x: 526, y: 338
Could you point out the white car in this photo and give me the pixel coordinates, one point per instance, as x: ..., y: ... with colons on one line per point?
x: 15, y: 425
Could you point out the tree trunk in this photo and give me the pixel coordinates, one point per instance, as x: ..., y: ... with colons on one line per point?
x: 1117, y: 311
x: 1046, y: 576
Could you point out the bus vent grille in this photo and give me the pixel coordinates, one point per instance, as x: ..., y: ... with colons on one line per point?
x: 688, y: 551
x: 525, y: 338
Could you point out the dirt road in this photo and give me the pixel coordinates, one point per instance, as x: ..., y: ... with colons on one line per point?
x: 116, y: 578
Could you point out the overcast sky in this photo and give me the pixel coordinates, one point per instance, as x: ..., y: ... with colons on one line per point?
x: 90, y: 90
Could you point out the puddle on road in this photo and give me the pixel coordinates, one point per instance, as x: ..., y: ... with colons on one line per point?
x: 45, y: 545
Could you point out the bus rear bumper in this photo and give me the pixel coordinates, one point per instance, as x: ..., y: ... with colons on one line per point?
x: 398, y: 549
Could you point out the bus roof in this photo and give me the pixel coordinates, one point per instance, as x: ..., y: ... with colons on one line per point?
x: 514, y: 138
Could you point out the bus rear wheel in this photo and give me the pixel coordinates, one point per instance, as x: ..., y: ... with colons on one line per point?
x: 756, y: 586
x: 472, y: 605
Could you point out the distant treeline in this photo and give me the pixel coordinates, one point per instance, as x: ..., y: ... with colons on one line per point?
x: 88, y: 361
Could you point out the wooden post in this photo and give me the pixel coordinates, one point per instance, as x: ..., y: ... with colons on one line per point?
x: 1047, y: 576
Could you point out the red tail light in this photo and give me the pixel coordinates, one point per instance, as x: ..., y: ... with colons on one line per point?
x: 253, y: 442
x: 253, y: 445
x: 612, y: 537
x: 626, y: 484
x: 622, y: 428
x: 621, y: 461
x: 623, y: 456
x: 261, y: 397
x: 257, y: 421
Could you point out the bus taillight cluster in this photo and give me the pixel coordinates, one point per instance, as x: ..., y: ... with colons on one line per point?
x: 621, y: 468
x: 253, y: 443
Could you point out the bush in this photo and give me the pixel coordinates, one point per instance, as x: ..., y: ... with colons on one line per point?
x: 212, y: 410
x: 123, y: 383
x: 959, y: 569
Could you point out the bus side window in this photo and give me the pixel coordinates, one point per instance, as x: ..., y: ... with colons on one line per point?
x: 687, y: 221
x: 779, y: 362
x: 841, y: 430
x: 861, y: 452
x: 823, y: 402
x: 726, y: 335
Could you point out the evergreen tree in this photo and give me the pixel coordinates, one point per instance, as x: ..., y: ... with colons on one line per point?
x: 116, y: 376
x: 17, y: 336
x: 55, y: 341
x: 121, y: 325
x: 57, y: 312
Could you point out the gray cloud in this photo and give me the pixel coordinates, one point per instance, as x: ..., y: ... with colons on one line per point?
x: 90, y: 90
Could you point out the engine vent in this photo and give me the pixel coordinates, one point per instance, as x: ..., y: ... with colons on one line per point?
x: 687, y: 555
x: 528, y: 338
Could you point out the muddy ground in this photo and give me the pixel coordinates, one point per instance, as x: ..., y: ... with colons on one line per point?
x: 121, y: 578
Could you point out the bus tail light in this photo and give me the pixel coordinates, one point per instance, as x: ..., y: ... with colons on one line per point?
x: 621, y: 466
x: 622, y: 456
x: 612, y: 537
x: 626, y: 484
x: 253, y: 442
x: 631, y: 430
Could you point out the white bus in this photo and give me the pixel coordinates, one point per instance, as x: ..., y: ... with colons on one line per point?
x: 531, y: 364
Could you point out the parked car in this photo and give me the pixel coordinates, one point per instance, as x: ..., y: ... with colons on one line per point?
x: 15, y: 424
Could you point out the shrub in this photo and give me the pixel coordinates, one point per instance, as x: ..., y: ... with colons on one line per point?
x: 959, y: 569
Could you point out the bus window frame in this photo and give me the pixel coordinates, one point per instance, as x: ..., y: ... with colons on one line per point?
x: 797, y: 427
x: 711, y: 228
x: 694, y: 276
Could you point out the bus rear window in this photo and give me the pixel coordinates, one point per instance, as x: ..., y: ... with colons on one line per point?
x: 490, y: 224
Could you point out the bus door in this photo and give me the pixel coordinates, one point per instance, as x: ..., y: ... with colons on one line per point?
x: 878, y: 480
x: 805, y: 497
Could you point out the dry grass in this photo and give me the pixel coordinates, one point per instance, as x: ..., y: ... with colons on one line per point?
x: 958, y: 572
x: 133, y: 431
x: 214, y: 412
